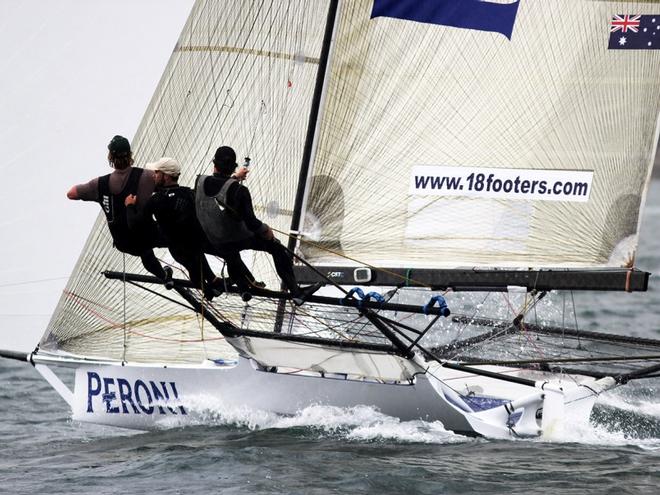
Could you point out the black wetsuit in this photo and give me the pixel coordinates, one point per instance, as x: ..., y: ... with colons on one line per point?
x: 239, y: 202
x: 137, y: 237
x: 174, y: 210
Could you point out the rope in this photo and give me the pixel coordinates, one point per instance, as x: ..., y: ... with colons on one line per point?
x: 201, y: 313
x: 76, y: 299
x: 259, y: 123
x: 126, y: 331
x: 123, y: 356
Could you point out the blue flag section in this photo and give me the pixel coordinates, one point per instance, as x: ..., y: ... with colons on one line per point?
x: 635, y: 32
x: 466, y: 14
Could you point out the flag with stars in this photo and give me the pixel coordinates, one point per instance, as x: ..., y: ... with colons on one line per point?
x: 479, y: 15
x: 635, y: 32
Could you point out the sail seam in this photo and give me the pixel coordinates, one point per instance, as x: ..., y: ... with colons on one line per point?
x: 247, y: 51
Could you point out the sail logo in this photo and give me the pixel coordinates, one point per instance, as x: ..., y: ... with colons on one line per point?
x: 477, y: 15
x: 501, y: 183
x: 121, y: 396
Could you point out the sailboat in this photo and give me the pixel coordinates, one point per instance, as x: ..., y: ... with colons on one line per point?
x: 444, y: 168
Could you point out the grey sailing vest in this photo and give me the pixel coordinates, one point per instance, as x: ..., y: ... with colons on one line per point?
x: 220, y: 223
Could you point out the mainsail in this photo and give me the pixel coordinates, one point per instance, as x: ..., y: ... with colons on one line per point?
x: 437, y: 145
x: 412, y: 108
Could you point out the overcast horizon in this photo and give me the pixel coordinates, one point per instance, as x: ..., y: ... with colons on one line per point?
x: 74, y: 74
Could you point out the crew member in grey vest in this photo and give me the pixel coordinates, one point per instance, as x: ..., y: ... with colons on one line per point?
x: 110, y: 191
x: 173, y: 206
x: 225, y: 212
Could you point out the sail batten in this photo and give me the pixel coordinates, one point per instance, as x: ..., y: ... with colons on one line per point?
x: 248, y: 51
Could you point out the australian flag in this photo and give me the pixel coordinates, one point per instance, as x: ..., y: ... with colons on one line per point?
x: 635, y: 32
x: 467, y: 14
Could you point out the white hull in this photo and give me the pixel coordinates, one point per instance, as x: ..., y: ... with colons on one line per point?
x: 148, y: 396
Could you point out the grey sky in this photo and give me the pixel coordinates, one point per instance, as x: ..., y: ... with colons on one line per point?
x: 72, y: 74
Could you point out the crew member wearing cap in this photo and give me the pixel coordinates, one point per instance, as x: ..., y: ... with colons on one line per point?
x: 110, y: 191
x: 225, y: 212
x: 173, y: 206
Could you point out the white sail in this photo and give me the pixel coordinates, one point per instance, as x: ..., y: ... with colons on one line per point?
x: 242, y: 74
x: 411, y: 105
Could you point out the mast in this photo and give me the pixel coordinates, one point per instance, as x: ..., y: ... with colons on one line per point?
x: 313, y: 121
x: 310, y: 138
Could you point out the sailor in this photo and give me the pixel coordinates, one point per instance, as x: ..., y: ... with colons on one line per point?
x: 110, y: 191
x: 224, y: 209
x: 173, y: 206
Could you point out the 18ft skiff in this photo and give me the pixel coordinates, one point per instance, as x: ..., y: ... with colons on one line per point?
x: 413, y: 155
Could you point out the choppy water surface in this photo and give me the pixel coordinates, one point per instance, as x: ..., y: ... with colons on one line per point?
x: 358, y: 450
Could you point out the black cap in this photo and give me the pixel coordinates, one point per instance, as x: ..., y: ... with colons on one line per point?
x: 224, y: 157
x: 119, y: 144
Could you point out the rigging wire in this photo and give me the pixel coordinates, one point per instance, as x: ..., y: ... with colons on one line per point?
x: 258, y: 124
x: 123, y: 357
x: 577, y: 328
x: 28, y: 282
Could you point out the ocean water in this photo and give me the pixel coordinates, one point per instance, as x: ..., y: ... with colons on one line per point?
x: 358, y: 450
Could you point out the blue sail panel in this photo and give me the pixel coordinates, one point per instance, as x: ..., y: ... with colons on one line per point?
x: 466, y: 14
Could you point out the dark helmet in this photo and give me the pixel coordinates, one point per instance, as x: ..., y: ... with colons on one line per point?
x: 119, y: 144
x: 225, y: 157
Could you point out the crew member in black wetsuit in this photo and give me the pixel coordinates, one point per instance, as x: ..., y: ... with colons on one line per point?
x: 110, y: 191
x: 224, y: 209
x: 173, y: 206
